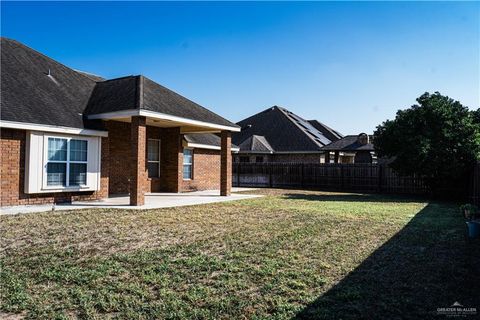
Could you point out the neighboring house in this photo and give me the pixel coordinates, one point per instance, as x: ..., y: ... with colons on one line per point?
x: 68, y: 135
x: 351, y: 149
x: 278, y: 135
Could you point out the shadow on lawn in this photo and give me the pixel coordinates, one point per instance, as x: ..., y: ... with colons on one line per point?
x: 425, y: 266
x: 354, y: 197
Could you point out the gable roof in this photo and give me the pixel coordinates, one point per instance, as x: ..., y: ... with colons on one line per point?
x: 284, y: 130
x: 326, y: 130
x: 37, y: 89
x: 31, y: 95
x: 349, y: 143
x: 256, y: 143
x: 139, y: 92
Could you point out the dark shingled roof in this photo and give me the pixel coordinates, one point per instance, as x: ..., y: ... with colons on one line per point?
x: 284, y: 131
x: 256, y: 144
x: 92, y: 76
x: 326, y: 130
x: 30, y: 95
x: 210, y: 139
x: 65, y: 96
x: 139, y: 92
x: 349, y: 143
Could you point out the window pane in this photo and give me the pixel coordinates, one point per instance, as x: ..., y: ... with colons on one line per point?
x: 56, y: 174
x: 153, y: 171
x: 153, y: 150
x: 57, y: 149
x: 78, y: 174
x: 187, y: 156
x: 187, y: 172
x: 78, y: 150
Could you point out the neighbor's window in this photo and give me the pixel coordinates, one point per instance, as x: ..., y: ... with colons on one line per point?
x: 244, y: 159
x: 258, y: 159
x: 153, y: 150
x: 187, y: 164
x: 67, y: 162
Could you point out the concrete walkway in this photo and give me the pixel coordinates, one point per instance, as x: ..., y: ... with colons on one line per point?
x: 152, y: 201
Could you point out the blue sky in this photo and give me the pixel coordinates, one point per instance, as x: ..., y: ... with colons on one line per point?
x: 350, y: 65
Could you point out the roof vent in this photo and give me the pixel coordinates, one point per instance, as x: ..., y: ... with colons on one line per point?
x: 49, y: 75
x: 363, y: 138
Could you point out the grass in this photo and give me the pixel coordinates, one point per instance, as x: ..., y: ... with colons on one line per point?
x: 290, y: 254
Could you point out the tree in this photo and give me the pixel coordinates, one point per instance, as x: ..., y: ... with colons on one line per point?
x: 438, y: 138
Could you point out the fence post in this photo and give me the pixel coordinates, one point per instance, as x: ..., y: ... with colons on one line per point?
x: 238, y: 174
x: 269, y: 168
x: 342, y: 186
x: 302, y: 183
x: 380, y: 177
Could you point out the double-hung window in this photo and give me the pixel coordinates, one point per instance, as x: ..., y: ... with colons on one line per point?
x: 187, y: 164
x: 153, y: 151
x: 66, y: 162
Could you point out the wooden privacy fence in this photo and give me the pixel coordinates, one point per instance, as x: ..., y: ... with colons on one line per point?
x: 345, y: 177
x: 475, y: 186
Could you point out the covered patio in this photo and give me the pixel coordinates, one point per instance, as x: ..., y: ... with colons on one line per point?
x: 154, y: 115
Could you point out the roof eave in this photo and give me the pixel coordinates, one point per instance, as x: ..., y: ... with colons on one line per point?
x: 161, y: 116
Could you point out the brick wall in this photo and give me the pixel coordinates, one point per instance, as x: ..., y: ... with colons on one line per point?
x: 12, y: 174
x: 115, y: 167
x: 120, y: 157
x: 206, y: 163
x: 206, y: 171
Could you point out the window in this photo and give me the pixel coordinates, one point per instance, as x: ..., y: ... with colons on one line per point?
x: 244, y: 159
x: 258, y: 159
x: 153, y: 150
x: 187, y: 164
x: 66, y: 162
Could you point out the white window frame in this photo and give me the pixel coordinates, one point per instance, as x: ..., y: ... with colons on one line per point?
x: 188, y: 164
x: 36, y: 160
x: 67, y: 162
x: 159, y: 157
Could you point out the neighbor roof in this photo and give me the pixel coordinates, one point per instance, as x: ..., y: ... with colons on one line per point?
x: 256, y: 144
x: 284, y: 131
x: 40, y: 90
x: 349, y: 143
x: 326, y: 130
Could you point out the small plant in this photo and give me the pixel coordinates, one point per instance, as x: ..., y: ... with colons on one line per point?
x: 470, y: 211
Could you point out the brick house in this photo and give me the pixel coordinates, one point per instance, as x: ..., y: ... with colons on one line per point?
x: 68, y: 135
x: 279, y: 135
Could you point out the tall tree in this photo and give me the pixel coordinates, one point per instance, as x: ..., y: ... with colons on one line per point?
x: 438, y: 138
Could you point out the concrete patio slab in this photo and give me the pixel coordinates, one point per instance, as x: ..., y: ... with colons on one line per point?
x: 152, y: 201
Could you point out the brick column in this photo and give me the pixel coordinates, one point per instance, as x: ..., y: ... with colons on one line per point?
x: 138, y: 174
x: 226, y: 164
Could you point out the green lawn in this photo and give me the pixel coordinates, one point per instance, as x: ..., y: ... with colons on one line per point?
x: 291, y: 254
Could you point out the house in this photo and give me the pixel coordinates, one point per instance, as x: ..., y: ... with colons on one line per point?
x: 68, y: 135
x: 279, y: 135
x: 351, y: 149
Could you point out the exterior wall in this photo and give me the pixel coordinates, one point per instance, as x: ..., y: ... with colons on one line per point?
x: 206, y: 163
x: 206, y: 171
x: 12, y: 174
x: 120, y: 157
x: 115, y: 167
